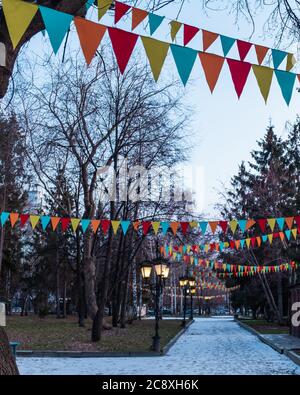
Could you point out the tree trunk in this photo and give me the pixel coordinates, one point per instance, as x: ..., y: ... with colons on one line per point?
x: 89, y: 275
x: 8, y: 364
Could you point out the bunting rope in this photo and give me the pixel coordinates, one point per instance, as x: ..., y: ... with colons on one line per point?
x: 19, y: 15
x: 242, y: 225
x: 170, y: 250
x: 208, y: 37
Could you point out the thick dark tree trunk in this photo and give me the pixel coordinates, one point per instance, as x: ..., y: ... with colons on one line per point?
x: 8, y: 364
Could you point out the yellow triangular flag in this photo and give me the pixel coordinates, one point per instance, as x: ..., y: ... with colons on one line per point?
x: 290, y: 62
x: 194, y: 224
x: 294, y: 233
x: 34, y: 219
x: 248, y: 240
x: 103, y: 6
x: 155, y: 226
x: 233, y: 225
x: 270, y: 237
x: 75, y: 222
x: 156, y: 52
x: 263, y: 77
x: 271, y: 222
x: 18, y: 16
x: 175, y: 26
x: 115, y: 226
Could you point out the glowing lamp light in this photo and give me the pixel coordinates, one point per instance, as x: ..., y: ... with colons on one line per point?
x: 146, y: 271
x: 161, y: 270
x: 192, y: 282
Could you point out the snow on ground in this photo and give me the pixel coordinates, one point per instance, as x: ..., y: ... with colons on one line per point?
x: 209, y: 346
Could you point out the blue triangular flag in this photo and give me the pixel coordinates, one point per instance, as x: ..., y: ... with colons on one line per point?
x: 154, y: 22
x: 264, y: 238
x: 242, y: 224
x: 221, y: 245
x: 203, y: 226
x: 280, y: 222
x: 286, y: 82
x: 242, y: 243
x: 4, y: 217
x: 184, y: 249
x: 125, y: 226
x: 164, y: 227
x: 88, y: 4
x: 227, y: 43
x: 278, y: 57
x: 84, y: 224
x: 45, y: 221
x: 184, y: 58
x: 57, y: 24
x: 167, y: 250
x: 288, y: 234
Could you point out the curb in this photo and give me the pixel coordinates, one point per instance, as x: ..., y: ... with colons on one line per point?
x: 293, y: 356
x: 96, y: 354
x: 167, y: 347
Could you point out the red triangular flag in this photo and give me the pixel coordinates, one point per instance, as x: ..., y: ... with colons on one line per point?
x: 189, y: 33
x: 262, y: 224
x: 24, y: 219
x: 120, y: 10
x: 223, y: 225
x: 90, y: 35
x: 123, y: 44
x: 239, y: 73
x: 297, y: 220
x: 253, y: 241
x: 184, y: 227
x: 243, y: 48
x: 65, y: 223
x: 105, y: 224
x: 146, y: 225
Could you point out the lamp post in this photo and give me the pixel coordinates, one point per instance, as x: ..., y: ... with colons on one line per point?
x: 161, y: 270
x: 192, y: 293
x: 186, y: 282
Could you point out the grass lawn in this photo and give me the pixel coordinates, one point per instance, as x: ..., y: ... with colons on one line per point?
x: 264, y: 327
x: 52, y: 334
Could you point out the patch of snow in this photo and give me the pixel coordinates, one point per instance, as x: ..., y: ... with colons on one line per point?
x: 209, y: 346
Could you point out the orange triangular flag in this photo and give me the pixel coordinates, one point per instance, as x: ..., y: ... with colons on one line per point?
x: 289, y: 221
x: 174, y: 226
x: 95, y: 224
x: 213, y: 225
x: 54, y: 222
x: 261, y: 52
x: 258, y: 240
x: 136, y: 225
x: 250, y: 223
x: 212, y: 66
x: 137, y: 17
x: 13, y: 218
x: 90, y: 35
x: 208, y: 38
x: 237, y: 244
x: 281, y: 235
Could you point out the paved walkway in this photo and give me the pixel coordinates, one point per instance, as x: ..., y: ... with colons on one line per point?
x: 209, y: 346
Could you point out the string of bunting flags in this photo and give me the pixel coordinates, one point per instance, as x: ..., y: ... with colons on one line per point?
x: 249, y: 242
x: 242, y: 225
x: 138, y: 15
x: 19, y: 15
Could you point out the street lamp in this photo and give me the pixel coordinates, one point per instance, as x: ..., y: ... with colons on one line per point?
x: 192, y: 293
x: 186, y: 282
x: 161, y: 270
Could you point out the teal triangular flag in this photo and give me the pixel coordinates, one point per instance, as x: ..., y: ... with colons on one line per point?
x: 227, y: 43
x: 184, y: 58
x: 242, y: 224
x: 164, y: 227
x: 57, y: 24
x: 221, y: 245
x: 278, y: 57
x: 288, y: 234
x: 286, y: 82
x: 45, y: 221
x: 125, y: 226
x: 184, y: 249
x: 264, y: 238
x: 242, y: 243
x: 167, y: 250
x: 280, y: 222
x: 154, y: 22
x: 203, y: 226
x: 88, y: 4
x: 4, y: 217
x: 84, y: 224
